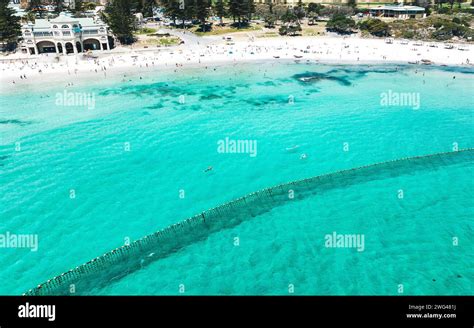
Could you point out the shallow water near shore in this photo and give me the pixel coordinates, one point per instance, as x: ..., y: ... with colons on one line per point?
x: 148, y: 141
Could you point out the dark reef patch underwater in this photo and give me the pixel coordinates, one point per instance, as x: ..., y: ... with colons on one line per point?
x: 16, y: 122
x: 345, y: 75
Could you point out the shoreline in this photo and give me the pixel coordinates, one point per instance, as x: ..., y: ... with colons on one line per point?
x: 325, y: 50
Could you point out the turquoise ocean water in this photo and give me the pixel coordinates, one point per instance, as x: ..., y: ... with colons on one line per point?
x: 172, y: 123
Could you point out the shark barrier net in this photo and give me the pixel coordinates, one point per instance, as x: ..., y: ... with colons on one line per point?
x: 124, y: 260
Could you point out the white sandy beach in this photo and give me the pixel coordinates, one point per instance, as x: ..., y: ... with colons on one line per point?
x: 67, y: 69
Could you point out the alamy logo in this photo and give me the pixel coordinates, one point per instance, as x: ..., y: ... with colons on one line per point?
x: 37, y: 311
x: 12, y: 240
x: 239, y: 146
x: 336, y: 240
x: 405, y: 99
x: 75, y: 99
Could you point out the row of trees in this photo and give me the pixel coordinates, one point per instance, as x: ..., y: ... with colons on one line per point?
x: 241, y: 11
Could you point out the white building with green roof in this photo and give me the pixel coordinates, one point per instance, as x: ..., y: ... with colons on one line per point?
x: 65, y: 35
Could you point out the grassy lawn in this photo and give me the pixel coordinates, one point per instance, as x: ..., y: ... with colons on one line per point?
x: 272, y: 34
x: 312, y: 30
x: 158, y: 41
x: 146, y: 37
x: 146, y: 30
x: 169, y: 41
x: 220, y: 30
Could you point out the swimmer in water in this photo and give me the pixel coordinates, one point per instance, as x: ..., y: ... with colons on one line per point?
x: 208, y: 169
x: 303, y: 156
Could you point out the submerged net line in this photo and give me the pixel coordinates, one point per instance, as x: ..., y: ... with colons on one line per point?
x: 121, y: 261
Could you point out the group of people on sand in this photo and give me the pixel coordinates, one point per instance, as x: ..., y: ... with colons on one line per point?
x: 202, y: 55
